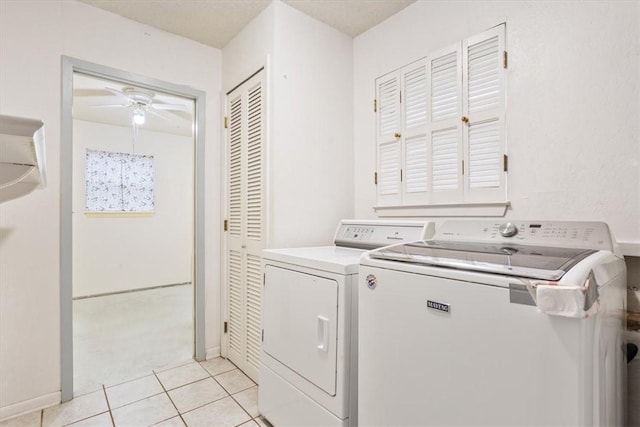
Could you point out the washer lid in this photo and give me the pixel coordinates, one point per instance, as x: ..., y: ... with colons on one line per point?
x: 538, y: 262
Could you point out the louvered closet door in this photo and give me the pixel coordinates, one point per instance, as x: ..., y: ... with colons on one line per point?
x: 445, y: 125
x: 484, y: 103
x: 415, y: 153
x: 388, y: 130
x: 245, y: 215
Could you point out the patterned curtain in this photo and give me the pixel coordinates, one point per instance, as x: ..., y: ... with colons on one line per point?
x: 118, y: 182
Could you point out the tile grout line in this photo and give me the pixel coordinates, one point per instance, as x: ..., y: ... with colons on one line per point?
x: 104, y: 390
x: 241, y: 407
x: 170, y: 400
x: 139, y: 400
x: 229, y: 394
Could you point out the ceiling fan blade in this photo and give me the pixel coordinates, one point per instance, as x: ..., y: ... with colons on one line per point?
x: 119, y: 93
x: 109, y: 106
x: 91, y: 92
x: 170, y: 107
x: 157, y: 114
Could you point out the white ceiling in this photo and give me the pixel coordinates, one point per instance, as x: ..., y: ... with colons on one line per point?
x: 216, y: 22
x: 213, y: 23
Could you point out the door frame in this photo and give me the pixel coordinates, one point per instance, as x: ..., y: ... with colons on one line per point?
x: 69, y: 67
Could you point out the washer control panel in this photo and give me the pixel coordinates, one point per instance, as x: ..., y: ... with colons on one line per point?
x: 568, y: 234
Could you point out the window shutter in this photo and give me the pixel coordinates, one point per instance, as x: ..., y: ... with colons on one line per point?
x: 389, y: 172
x: 484, y: 103
x: 388, y: 142
x: 415, y: 155
x: 388, y: 97
x: 415, y: 97
x: 446, y: 159
x: 416, y: 161
x: 440, y: 126
x: 445, y: 125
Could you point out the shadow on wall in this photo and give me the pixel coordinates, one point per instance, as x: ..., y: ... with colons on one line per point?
x: 5, y: 232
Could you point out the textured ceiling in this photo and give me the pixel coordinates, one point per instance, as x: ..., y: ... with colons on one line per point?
x: 216, y: 22
x: 213, y: 23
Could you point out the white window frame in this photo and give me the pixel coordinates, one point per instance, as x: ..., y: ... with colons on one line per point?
x: 394, y: 159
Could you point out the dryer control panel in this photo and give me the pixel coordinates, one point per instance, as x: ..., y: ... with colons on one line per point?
x: 375, y: 234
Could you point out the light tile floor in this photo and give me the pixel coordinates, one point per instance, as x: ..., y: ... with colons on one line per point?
x: 209, y: 393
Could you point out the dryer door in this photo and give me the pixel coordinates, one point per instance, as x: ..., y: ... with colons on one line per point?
x: 299, y: 319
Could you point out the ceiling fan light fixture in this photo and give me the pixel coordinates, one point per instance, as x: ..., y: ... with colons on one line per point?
x: 138, y: 116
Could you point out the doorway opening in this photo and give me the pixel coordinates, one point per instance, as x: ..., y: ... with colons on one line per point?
x: 132, y: 297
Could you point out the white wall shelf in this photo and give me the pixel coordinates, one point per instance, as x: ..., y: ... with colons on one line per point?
x: 22, y: 157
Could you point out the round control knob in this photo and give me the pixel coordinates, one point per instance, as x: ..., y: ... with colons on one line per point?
x: 508, y: 229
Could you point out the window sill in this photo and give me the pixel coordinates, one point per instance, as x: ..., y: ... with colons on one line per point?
x: 494, y: 209
x: 118, y: 214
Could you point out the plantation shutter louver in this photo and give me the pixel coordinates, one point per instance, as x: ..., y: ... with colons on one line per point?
x: 415, y: 164
x: 246, y: 212
x: 445, y: 125
x: 483, y: 135
x: 388, y: 137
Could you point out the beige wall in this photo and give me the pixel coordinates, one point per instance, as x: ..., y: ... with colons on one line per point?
x: 33, y: 37
x: 116, y: 252
x: 573, y: 109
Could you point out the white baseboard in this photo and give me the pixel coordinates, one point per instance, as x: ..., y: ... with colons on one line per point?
x: 212, y: 352
x: 21, y: 408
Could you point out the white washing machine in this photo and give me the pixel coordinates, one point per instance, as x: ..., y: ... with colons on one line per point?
x: 308, y: 364
x: 494, y: 324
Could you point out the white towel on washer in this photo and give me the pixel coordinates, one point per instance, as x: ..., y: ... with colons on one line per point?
x: 567, y: 301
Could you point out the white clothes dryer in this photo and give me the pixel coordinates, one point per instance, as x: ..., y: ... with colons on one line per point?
x: 494, y: 324
x: 308, y: 365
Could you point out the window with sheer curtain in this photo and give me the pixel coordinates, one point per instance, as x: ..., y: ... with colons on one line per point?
x: 118, y: 182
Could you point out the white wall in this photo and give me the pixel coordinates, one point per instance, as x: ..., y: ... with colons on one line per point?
x: 247, y: 52
x: 121, y: 252
x: 573, y: 108
x: 310, y: 120
x: 311, y: 150
x: 33, y: 36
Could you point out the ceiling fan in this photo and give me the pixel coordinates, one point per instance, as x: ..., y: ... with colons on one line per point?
x: 141, y: 102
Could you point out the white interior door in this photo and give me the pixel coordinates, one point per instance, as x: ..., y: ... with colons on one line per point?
x: 245, y: 237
